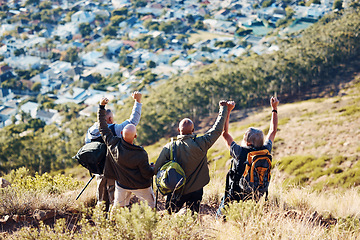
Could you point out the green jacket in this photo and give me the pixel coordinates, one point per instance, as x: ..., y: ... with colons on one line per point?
x: 191, y: 154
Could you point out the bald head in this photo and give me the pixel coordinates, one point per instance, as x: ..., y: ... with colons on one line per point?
x: 109, y: 117
x: 186, y: 126
x: 129, y: 133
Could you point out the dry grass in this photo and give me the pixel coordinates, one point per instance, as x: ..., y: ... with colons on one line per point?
x: 317, y: 128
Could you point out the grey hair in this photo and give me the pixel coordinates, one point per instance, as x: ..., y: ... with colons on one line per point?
x: 254, y: 136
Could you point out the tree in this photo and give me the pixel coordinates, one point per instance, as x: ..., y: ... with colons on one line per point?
x: 32, y: 2
x: 121, y: 11
x: 139, y: 3
x: 199, y: 25
x: 173, y: 59
x: 36, y: 87
x: 242, y: 31
x: 187, y: 46
x: 151, y: 64
x: 338, y: 4
x: 85, y: 29
x: 71, y: 55
x: 18, y: 52
x: 110, y: 31
x: 166, y: 27
x: 116, y: 20
x: 45, y: 5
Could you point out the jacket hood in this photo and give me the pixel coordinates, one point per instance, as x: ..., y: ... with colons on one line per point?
x: 93, y: 131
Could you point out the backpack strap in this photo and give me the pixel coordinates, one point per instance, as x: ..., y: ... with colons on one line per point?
x: 173, y: 158
x: 112, y: 128
x: 172, y: 149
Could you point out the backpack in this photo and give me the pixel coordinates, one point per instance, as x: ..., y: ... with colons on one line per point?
x: 257, y: 174
x: 92, y: 155
x: 255, y: 179
x: 171, y: 176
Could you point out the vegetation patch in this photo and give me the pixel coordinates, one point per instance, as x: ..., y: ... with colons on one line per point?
x: 352, y: 110
x: 306, y: 170
x: 28, y: 193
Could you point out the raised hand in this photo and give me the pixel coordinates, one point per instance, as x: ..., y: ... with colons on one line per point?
x: 136, y: 96
x: 104, y: 101
x: 231, y: 105
x: 274, y: 102
x: 222, y: 103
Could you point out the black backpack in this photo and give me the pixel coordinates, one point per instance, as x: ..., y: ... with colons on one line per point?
x: 92, y: 155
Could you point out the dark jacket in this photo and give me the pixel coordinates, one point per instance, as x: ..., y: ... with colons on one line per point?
x: 191, y: 154
x: 126, y: 163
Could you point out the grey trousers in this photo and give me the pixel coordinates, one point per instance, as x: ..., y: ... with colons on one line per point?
x: 105, y: 191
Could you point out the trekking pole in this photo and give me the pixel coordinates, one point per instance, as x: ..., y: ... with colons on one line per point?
x: 156, y: 199
x: 85, y: 187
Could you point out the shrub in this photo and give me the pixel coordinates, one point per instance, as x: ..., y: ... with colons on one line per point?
x: 28, y: 193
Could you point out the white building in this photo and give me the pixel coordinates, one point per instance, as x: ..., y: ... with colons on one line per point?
x: 107, y: 68
x: 91, y: 59
x: 30, y: 108
x: 24, y: 62
x: 82, y: 17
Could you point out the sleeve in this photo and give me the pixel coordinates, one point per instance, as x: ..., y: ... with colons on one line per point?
x: 105, y: 131
x: 87, y: 140
x: 268, y: 145
x: 163, y: 158
x: 235, y: 150
x: 134, y: 119
x: 146, y: 171
x: 210, y: 137
x: 135, y: 114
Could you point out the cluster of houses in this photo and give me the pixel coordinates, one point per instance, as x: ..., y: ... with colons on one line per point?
x: 28, y: 50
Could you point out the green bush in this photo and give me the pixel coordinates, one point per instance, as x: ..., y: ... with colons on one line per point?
x: 138, y: 222
x: 23, y: 181
x: 28, y: 193
x: 243, y: 211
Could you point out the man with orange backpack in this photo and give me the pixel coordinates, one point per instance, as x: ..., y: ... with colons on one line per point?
x: 249, y: 175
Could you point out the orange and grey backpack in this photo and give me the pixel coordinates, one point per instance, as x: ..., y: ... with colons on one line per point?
x: 256, y: 177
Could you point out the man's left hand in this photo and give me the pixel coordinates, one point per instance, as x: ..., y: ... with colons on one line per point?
x: 104, y: 101
x: 223, y: 103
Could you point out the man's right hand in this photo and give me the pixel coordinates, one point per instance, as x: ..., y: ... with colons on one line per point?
x: 231, y: 105
x: 104, y: 101
x: 136, y: 96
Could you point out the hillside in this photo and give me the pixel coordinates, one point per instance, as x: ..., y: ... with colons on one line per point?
x: 307, y: 60
x: 322, y: 131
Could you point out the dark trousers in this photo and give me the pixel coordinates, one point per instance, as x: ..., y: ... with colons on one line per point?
x: 192, y: 201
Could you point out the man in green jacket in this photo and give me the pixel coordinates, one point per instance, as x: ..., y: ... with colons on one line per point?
x: 191, y: 152
x: 125, y: 162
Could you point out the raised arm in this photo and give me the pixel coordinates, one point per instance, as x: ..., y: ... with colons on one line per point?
x: 136, y: 112
x: 210, y: 137
x: 274, y: 102
x: 228, y: 138
x: 105, y: 132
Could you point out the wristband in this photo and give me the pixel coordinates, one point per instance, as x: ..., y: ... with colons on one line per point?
x: 275, y: 111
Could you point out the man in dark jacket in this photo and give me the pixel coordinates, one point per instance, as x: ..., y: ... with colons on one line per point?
x: 127, y: 163
x: 191, y: 153
x: 106, y: 187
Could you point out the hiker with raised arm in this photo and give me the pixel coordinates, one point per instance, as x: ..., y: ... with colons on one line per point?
x: 254, y: 149
x: 191, y: 154
x: 126, y: 163
x: 106, y: 187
